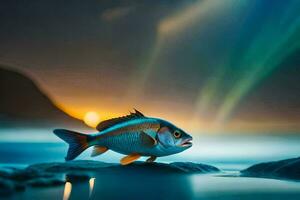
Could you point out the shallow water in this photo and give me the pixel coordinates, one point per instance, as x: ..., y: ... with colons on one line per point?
x: 145, y: 186
x: 230, y: 153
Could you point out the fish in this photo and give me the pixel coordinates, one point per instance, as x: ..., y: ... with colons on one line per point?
x: 133, y: 135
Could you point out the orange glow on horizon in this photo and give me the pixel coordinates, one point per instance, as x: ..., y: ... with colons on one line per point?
x: 91, y: 119
x: 200, y: 126
x: 81, y: 111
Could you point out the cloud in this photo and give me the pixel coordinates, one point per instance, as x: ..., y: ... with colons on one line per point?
x: 116, y: 13
x: 188, y: 16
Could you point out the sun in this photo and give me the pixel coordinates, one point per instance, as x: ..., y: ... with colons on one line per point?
x: 91, y: 119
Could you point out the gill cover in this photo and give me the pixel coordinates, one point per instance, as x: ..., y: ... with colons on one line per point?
x: 165, y: 137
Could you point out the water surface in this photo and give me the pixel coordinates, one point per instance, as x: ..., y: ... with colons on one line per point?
x: 230, y: 153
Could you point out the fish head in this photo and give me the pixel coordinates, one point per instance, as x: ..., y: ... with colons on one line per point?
x: 173, y: 139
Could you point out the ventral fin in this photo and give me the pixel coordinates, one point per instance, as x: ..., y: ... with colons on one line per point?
x: 151, y: 159
x: 98, y: 150
x: 111, y: 122
x: 130, y: 159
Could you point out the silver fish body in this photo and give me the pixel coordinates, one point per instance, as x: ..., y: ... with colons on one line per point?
x: 133, y: 135
x: 128, y: 137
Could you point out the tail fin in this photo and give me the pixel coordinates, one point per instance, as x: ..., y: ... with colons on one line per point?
x: 78, y: 142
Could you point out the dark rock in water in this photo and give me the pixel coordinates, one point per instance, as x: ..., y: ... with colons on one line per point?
x: 289, y: 169
x: 76, y: 165
x: 23, y: 174
x: 176, y: 167
x: 8, y: 187
x: 77, y: 177
x: 190, y: 167
x: 42, y: 182
x: 84, y: 165
x: 6, y: 172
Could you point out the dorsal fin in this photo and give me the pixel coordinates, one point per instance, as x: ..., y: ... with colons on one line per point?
x: 110, y: 122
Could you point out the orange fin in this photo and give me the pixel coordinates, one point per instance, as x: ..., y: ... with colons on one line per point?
x: 98, y: 150
x: 151, y: 159
x: 130, y: 158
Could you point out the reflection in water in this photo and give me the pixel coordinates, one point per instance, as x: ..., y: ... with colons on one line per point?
x: 91, y: 183
x: 216, y: 187
x: 67, y: 191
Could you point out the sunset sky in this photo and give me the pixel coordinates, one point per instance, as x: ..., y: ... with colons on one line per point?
x: 205, y: 65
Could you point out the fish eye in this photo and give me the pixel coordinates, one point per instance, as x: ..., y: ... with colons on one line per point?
x: 177, y: 134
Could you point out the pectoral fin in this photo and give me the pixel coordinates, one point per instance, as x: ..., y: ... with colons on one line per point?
x: 147, y: 140
x: 151, y: 159
x: 152, y: 133
x: 98, y: 150
x: 130, y: 159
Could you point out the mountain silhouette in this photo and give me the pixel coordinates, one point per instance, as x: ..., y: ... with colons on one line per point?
x: 22, y: 102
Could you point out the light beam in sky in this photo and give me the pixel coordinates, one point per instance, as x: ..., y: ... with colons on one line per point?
x: 270, y: 47
x: 167, y: 29
x: 175, y: 26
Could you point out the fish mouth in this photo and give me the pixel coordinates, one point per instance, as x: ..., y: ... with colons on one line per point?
x: 187, y: 143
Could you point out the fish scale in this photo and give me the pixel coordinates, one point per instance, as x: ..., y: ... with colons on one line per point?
x: 125, y: 142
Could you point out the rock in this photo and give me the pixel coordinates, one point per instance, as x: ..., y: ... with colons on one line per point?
x: 8, y: 187
x: 42, y: 182
x: 76, y: 165
x: 190, y: 167
x: 6, y: 172
x: 176, y: 167
x: 288, y: 169
x: 77, y: 177
x: 88, y: 165
x: 23, y: 174
x: 75, y: 168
